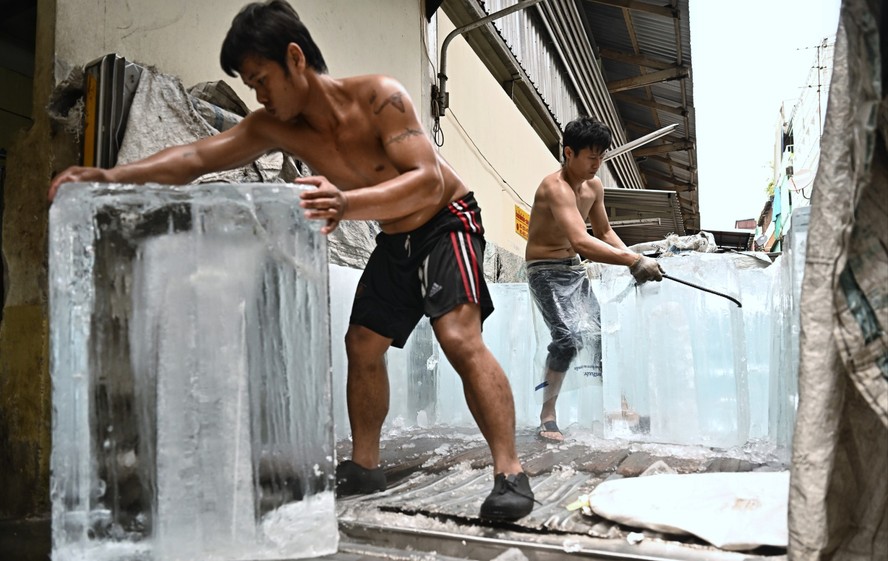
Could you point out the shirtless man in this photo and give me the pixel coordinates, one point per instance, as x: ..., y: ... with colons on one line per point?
x: 557, y: 240
x: 374, y: 161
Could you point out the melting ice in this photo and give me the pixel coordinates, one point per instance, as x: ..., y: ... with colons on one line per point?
x: 681, y: 366
x: 191, y: 375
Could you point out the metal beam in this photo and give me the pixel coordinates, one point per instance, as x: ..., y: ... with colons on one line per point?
x: 664, y: 148
x: 675, y: 73
x: 635, y: 222
x: 638, y: 142
x: 672, y: 163
x: 637, y: 60
x: 636, y: 5
x: 662, y: 177
x: 671, y: 109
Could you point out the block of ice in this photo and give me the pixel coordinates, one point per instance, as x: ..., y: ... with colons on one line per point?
x: 683, y: 365
x: 192, y: 397
x: 509, y: 335
x: 680, y: 365
x: 786, y: 327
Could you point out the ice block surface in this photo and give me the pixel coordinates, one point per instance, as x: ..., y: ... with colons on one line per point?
x: 680, y: 365
x: 192, y: 396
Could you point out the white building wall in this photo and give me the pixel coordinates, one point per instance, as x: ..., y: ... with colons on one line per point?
x: 490, y: 143
x: 808, y: 116
x: 184, y: 38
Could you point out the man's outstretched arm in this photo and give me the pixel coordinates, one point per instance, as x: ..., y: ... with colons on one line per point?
x: 643, y: 268
x: 178, y: 165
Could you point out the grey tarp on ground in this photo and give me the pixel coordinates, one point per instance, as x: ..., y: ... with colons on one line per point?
x: 839, y: 488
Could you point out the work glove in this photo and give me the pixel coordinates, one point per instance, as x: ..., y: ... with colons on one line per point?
x: 646, y: 269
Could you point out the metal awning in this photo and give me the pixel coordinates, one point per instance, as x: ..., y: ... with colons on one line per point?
x: 645, y: 52
x: 627, y: 62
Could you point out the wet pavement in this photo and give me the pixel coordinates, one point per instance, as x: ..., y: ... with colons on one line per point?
x: 439, y: 477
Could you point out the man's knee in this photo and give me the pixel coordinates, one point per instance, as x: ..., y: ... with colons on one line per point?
x: 455, y: 344
x: 561, y: 354
x: 363, y: 344
x: 459, y: 330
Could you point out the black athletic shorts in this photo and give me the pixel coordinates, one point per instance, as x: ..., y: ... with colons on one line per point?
x: 430, y: 271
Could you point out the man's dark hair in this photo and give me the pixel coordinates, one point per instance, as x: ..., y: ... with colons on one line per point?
x: 586, y: 132
x: 265, y: 29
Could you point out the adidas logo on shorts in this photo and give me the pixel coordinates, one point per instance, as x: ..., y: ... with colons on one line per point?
x: 436, y: 288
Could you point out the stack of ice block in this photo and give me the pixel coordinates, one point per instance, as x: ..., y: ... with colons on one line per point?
x: 784, y: 350
x: 192, y: 412
x: 686, y: 366
x: 425, y: 389
x: 680, y: 365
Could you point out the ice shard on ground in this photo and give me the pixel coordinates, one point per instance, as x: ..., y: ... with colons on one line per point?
x: 192, y: 396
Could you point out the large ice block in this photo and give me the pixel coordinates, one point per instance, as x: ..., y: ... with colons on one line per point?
x: 786, y: 328
x: 509, y: 335
x: 427, y: 391
x: 683, y: 365
x: 192, y: 395
x: 680, y: 365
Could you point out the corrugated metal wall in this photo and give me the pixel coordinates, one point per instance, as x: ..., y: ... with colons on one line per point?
x: 568, y: 94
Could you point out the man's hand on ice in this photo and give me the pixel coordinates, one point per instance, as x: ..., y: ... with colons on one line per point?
x: 76, y: 174
x: 646, y: 269
x: 326, y: 202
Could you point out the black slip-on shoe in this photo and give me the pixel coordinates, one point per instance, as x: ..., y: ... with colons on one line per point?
x: 352, y: 479
x: 510, y: 499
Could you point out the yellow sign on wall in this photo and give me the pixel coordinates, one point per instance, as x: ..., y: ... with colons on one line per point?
x: 522, y: 221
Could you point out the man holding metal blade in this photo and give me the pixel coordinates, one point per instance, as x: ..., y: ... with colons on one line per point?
x: 557, y: 243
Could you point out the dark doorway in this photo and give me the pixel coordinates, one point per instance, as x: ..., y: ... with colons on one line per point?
x: 18, y: 34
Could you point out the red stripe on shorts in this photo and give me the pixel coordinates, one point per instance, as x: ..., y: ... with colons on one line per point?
x: 462, y: 267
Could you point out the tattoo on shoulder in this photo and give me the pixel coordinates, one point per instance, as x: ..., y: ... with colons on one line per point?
x: 402, y: 136
x: 395, y: 100
x: 372, y: 97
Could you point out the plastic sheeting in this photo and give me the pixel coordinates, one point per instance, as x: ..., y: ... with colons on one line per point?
x: 838, y: 505
x: 567, y: 323
x: 733, y: 511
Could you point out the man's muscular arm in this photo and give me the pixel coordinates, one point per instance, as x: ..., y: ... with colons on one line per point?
x: 599, y: 221
x: 643, y: 268
x: 178, y: 165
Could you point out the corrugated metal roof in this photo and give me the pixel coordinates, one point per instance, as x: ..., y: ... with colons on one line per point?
x: 634, y: 39
x: 626, y: 62
x: 551, y: 48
